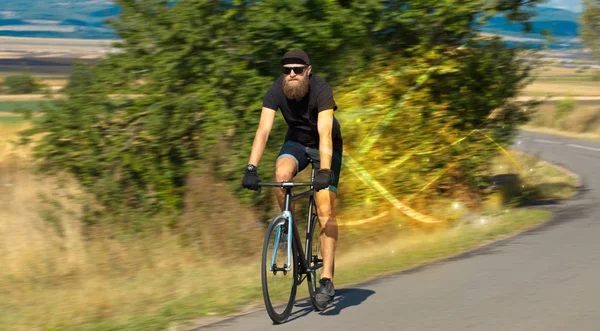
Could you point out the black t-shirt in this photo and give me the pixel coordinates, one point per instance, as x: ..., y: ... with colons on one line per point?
x: 301, y: 116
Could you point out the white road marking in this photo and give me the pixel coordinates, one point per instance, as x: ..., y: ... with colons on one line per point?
x: 546, y: 141
x: 585, y: 147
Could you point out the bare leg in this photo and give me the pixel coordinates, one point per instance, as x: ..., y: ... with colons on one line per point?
x: 329, y: 230
x: 284, y: 171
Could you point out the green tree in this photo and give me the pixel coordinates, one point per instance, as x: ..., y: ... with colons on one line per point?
x: 590, y: 26
x: 199, y: 69
x: 21, y: 84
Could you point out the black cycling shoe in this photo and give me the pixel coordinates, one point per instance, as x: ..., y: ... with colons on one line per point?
x: 325, y: 292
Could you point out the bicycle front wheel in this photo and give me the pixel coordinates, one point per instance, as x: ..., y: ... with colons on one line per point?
x: 278, y: 284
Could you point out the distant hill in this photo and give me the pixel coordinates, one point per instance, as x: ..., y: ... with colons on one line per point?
x: 555, y: 14
x: 57, y: 18
x: 86, y: 19
x: 559, y: 22
x: 58, y: 10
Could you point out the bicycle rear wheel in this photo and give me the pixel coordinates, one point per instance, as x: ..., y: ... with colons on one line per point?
x: 278, y: 285
x: 314, y: 257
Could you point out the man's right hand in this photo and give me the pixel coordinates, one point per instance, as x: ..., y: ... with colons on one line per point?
x: 251, y: 179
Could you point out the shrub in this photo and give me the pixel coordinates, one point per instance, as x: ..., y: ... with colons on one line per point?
x: 565, y: 107
x: 205, y: 66
x: 21, y: 84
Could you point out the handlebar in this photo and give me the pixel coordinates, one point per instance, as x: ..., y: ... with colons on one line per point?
x: 284, y: 184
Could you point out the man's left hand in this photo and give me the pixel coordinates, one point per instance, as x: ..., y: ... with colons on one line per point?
x: 323, y: 179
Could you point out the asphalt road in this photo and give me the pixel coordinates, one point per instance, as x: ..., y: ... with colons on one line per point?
x: 544, y: 279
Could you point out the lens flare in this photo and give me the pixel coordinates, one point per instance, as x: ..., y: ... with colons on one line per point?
x: 366, y: 178
x: 523, y: 174
x: 375, y: 133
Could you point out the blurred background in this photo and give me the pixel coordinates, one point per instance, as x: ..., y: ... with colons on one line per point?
x: 125, y: 127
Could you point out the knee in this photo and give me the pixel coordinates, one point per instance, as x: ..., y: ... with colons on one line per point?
x: 283, y: 173
x: 325, y: 210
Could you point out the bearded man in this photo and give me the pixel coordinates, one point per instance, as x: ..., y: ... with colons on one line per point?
x: 314, y: 136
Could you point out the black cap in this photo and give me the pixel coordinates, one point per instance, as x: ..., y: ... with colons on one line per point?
x: 295, y: 56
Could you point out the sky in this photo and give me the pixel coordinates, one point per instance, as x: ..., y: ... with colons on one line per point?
x: 572, y: 5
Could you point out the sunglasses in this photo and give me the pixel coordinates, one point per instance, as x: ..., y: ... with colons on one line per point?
x: 297, y: 70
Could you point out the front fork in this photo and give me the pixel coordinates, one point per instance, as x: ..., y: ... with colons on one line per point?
x: 288, y: 216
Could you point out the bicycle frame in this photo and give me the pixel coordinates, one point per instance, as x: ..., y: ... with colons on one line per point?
x: 292, y: 233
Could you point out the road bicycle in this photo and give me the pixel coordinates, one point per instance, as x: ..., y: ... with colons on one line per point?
x: 286, y: 266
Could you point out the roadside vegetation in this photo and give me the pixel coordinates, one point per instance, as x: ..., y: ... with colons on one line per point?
x: 569, y: 100
x: 58, y: 275
x: 574, y: 114
x: 127, y: 213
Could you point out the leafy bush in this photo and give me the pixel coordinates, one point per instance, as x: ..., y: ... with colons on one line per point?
x: 20, y: 84
x: 200, y: 69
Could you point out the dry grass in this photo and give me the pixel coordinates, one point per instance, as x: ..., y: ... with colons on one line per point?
x: 8, y: 135
x: 581, y: 72
x: 541, y: 179
x: 583, y: 121
x: 54, y: 278
x: 559, y: 81
x: 29, y: 97
x: 556, y: 98
x: 54, y: 82
x: 24, y: 236
x: 55, y: 45
x: 571, y: 88
x: 554, y: 71
x: 556, y: 132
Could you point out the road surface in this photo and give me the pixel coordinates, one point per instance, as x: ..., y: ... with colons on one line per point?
x: 544, y: 279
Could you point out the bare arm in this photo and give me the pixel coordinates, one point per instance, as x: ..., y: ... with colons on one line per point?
x: 325, y: 125
x: 267, y: 116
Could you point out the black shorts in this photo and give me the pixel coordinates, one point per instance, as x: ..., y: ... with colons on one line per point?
x: 304, y: 155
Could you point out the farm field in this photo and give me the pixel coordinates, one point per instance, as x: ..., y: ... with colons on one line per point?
x: 11, y: 106
x: 557, y: 88
x: 73, y: 47
x: 553, y: 82
x: 560, y: 81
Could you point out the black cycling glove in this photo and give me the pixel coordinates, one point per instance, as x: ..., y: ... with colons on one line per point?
x: 251, y: 178
x: 323, y: 178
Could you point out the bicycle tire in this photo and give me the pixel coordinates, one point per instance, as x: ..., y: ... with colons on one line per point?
x: 314, y: 258
x: 270, y: 294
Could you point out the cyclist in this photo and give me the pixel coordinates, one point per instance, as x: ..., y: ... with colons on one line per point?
x: 314, y: 136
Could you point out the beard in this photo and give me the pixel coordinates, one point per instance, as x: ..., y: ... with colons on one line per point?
x: 296, y: 88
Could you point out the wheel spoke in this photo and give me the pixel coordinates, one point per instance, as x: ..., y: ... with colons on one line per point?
x: 279, y: 284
